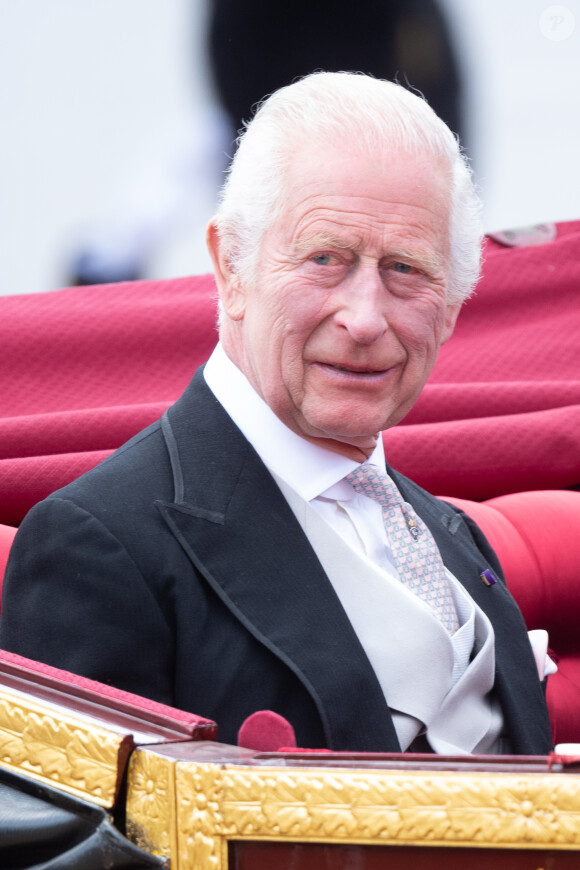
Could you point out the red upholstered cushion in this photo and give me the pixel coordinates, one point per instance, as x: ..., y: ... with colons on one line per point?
x: 87, y: 367
x: 266, y: 731
x: 515, y: 554
x: 191, y: 725
x: 536, y: 536
x: 563, y: 695
x: 6, y: 537
x: 549, y: 525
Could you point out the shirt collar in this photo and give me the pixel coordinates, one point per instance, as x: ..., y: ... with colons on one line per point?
x: 309, y: 469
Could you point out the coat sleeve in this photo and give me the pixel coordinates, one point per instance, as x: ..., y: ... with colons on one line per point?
x: 74, y: 598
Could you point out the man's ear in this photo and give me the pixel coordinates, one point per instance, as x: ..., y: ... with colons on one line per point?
x: 451, y: 315
x: 231, y: 292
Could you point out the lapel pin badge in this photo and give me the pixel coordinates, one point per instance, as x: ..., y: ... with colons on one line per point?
x: 488, y: 577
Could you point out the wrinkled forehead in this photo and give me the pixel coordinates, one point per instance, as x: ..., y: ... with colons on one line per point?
x: 361, y: 168
x: 356, y: 182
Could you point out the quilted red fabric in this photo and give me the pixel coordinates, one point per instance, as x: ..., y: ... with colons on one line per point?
x: 85, y: 368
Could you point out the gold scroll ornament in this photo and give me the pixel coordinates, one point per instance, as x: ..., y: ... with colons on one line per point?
x: 188, y: 811
x: 60, y: 749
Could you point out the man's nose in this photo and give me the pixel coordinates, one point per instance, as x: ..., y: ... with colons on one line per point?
x: 362, y: 310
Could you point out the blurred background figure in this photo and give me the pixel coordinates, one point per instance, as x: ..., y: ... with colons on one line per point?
x: 119, y: 116
x: 155, y: 201
x: 255, y: 47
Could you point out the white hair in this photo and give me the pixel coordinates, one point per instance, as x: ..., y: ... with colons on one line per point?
x: 341, y: 107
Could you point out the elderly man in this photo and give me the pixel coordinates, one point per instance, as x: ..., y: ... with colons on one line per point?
x: 251, y: 550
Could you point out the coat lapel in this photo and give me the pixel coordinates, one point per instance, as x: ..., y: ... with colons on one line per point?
x: 519, y: 690
x: 242, y: 537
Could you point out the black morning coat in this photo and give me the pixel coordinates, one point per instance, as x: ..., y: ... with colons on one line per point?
x: 176, y: 570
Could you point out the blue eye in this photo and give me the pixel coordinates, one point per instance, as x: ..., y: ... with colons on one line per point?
x: 321, y: 259
x: 403, y: 268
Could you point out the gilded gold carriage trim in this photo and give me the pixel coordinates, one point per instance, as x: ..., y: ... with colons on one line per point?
x: 218, y: 803
x: 61, y: 750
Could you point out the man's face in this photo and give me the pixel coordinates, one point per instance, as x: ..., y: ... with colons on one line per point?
x: 342, y: 327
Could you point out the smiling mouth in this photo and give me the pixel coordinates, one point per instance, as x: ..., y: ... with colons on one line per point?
x: 354, y: 370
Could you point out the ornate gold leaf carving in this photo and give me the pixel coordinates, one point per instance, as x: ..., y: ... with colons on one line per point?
x: 79, y: 757
x: 198, y: 792
x: 217, y: 803
x: 378, y: 806
x: 151, y: 803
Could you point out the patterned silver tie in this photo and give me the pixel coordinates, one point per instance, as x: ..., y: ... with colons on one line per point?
x: 416, y: 554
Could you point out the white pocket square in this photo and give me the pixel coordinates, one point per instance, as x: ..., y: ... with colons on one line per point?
x: 539, y: 641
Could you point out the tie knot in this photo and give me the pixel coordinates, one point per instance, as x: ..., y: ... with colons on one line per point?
x: 374, y: 483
